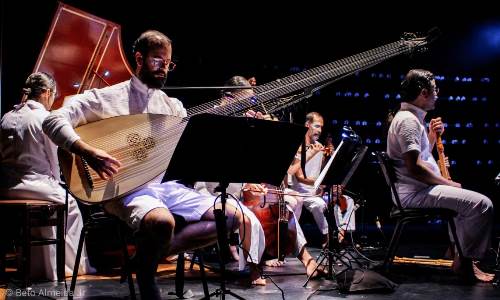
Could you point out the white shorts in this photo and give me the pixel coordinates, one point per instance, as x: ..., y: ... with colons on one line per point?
x: 175, y: 197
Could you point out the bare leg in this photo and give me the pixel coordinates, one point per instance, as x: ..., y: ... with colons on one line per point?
x: 246, y: 234
x: 309, y: 263
x: 467, y: 269
x: 155, y: 234
x: 204, y: 232
x: 234, y: 252
x: 274, y: 263
x: 193, y: 236
x: 255, y: 275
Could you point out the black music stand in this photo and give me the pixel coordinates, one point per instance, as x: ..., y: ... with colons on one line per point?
x: 338, y: 171
x: 233, y: 149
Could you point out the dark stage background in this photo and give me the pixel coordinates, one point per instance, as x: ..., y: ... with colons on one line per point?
x: 212, y: 44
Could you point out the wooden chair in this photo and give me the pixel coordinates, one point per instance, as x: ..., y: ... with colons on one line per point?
x: 25, y: 214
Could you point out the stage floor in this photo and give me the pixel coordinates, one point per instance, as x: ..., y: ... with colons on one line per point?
x: 414, y: 282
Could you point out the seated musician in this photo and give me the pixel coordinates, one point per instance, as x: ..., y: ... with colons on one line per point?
x: 252, y: 235
x: 258, y: 191
x: 344, y: 212
x: 29, y: 170
x: 419, y: 182
x: 149, y: 209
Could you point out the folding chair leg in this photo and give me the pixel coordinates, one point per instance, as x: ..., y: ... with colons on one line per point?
x: 393, y: 245
x: 127, y: 268
x: 77, y: 262
x: 61, y: 251
x: 26, y: 251
x: 179, y: 276
x: 203, y: 277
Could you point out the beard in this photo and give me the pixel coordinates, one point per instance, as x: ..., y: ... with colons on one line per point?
x: 152, y: 81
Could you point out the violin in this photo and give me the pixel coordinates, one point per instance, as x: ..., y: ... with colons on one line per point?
x: 329, y: 145
x: 275, y: 218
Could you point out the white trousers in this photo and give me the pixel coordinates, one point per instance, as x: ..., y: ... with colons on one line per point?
x: 317, y: 206
x: 474, y: 218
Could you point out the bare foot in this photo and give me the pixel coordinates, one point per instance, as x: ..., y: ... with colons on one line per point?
x: 313, y: 270
x: 171, y: 259
x: 468, y: 270
x: 274, y: 263
x: 480, y: 275
x: 255, y: 275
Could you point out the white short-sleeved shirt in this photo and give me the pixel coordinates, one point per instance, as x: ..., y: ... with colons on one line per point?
x: 408, y: 132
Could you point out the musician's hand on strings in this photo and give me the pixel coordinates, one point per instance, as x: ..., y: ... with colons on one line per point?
x: 252, y: 114
x: 315, y: 148
x: 255, y: 188
x: 104, y: 164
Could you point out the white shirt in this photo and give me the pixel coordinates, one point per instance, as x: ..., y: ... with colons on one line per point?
x: 313, y: 169
x: 408, y: 132
x: 26, y: 153
x: 126, y: 98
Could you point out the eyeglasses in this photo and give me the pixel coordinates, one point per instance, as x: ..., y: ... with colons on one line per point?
x: 160, y: 62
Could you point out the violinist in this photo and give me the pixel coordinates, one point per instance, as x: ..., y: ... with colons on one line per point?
x: 253, y: 196
x: 419, y: 182
x: 304, y: 183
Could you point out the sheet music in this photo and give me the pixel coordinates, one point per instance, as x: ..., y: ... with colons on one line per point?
x: 322, y: 175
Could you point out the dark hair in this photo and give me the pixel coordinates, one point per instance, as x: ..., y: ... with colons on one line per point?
x: 150, y: 39
x: 235, y: 81
x: 310, y: 116
x: 36, y: 84
x: 415, y: 81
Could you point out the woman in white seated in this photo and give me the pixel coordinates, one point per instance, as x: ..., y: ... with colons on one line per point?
x: 30, y: 170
